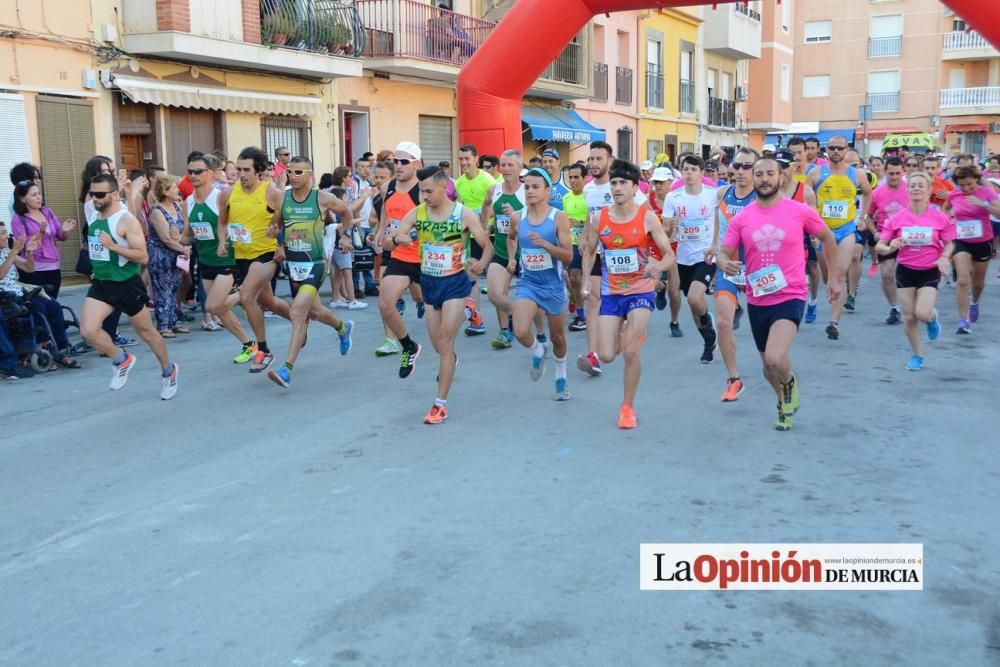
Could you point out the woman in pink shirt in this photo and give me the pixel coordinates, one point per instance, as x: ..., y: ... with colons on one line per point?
x: 30, y: 217
x: 923, y: 238
x: 971, y: 205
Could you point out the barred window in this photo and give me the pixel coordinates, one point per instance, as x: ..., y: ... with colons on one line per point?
x: 294, y: 134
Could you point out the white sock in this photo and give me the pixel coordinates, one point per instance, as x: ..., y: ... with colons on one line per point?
x: 537, y: 350
x: 560, y: 368
x: 812, y: 302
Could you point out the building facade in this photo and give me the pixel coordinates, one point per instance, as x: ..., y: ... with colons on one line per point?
x: 769, y: 107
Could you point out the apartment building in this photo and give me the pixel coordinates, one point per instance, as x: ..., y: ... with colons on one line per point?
x: 769, y: 108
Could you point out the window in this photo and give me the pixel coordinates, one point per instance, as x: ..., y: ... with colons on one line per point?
x: 292, y: 133
x: 624, y: 151
x: 887, y: 26
x: 885, y: 36
x: 816, y: 86
x: 726, y: 87
x: 687, y: 78
x: 958, y: 25
x: 956, y: 78
x: 786, y: 82
x: 819, y: 31
x: 883, y: 91
x: 786, y: 15
x: 654, y: 74
x: 712, y: 77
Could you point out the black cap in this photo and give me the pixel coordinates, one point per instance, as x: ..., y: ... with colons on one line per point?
x: 711, y: 166
x: 784, y: 158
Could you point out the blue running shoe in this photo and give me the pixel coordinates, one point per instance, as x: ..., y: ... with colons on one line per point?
x: 280, y: 376
x: 933, y: 328
x: 537, y: 368
x: 562, y: 394
x: 345, y: 339
x: 400, y: 306
x: 915, y: 363
x: 810, y: 313
x: 420, y: 310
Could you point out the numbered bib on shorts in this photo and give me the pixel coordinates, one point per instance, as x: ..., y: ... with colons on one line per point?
x: 836, y: 210
x: 436, y: 260
x: 299, y: 271
x: 622, y: 261
x: 768, y: 280
x: 574, y: 233
x: 240, y: 234
x: 202, y: 231
x: 917, y: 236
x: 968, y: 229
x: 503, y: 224
x: 98, y: 253
x: 536, y: 260
x: 697, y: 230
x: 740, y: 278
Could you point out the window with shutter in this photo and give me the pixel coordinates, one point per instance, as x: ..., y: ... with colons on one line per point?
x: 435, y: 139
x: 188, y: 130
x: 291, y: 133
x: 14, y: 144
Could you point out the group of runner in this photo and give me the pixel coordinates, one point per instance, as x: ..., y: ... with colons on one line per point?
x: 786, y: 220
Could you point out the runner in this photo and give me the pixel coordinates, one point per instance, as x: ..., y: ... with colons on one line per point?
x: 691, y: 214
x: 472, y: 187
x: 550, y: 163
x: 971, y: 204
x: 888, y: 199
x: 771, y: 232
x: 546, y: 245
x: 298, y: 225
x: 503, y: 200
x: 574, y: 204
x: 441, y: 226
x: 813, y: 157
x: 730, y: 201
x: 922, y: 240
x: 117, y: 251
x: 836, y: 185
x: 670, y: 282
x: 401, y: 195
x: 625, y: 231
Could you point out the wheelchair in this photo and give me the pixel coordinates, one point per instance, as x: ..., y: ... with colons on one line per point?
x: 29, y: 332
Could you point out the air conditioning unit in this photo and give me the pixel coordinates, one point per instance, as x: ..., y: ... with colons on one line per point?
x: 994, y: 128
x: 741, y: 94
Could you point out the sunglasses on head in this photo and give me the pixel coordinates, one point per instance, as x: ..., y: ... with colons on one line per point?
x: 196, y: 172
x: 98, y: 195
x: 299, y: 172
x: 739, y: 166
x: 402, y: 161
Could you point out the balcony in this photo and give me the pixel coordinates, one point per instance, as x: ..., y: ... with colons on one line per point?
x: 885, y: 47
x: 686, y: 96
x: 884, y: 102
x: 967, y: 46
x: 600, y: 82
x: 733, y: 34
x: 316, y: 39
x: 747, y: 11
x: 567, y: 77
x: 623, y: 85
x: 654, y: 89
x: 721, y: 113
x: 966, y: 101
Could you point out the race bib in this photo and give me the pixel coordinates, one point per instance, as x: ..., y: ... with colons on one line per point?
x: 836, y: 210
x: 299, y: 271
x: 202, y: 231
x: 503, y: 224
x: 98, y: 253
x: 536, y: 260
x: 917, y: 236
x: 768, y: 280
x: 574, y: 233
x: 740, y: 278
x: 240, y: 234
x: 697, y: 230
x: 436, y: 260
x: 968, y: 229
x: 622, y: 261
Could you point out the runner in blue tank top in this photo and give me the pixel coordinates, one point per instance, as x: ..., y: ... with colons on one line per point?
x: 546, y: 245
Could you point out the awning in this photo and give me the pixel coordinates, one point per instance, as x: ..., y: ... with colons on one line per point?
x: 152, y: 91
x: 823, y: 136
x: 967, y: 127
x: 551, y: 124
x: 879, y: 132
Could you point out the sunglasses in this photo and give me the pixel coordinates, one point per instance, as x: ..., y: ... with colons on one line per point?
x: 284, y: 154
x: 836, y: 148
x: 740, y: 166
x: 912, y: 164
x: 98, y: 195
x: 402, y: 161
x: 196, y: 172
x: 299, y: 172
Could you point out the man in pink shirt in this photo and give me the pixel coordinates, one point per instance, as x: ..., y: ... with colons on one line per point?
x: 282, y: 156
x: 771, y: 232
x: 888, y: 199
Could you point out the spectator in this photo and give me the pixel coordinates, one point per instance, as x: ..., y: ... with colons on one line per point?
x: 341, y: 281
x: 229, y: 169
x: 384, y: 156
x: 33, y: 219
x: 22, y: 172
x: 445, y: 166
x: 283, y: 156
x: 167, y: 228
x: 326, y: 182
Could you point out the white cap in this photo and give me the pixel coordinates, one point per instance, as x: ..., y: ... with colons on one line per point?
x: 646, y: 165
x: 767, y: 147
x: 662, y: 174
x: 409, y: 147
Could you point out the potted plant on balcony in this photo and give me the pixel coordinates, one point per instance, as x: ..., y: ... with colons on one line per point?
x: 330, y: 34
x: 277, y: 29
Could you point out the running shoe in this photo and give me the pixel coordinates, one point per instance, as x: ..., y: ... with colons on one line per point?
x: 933, y: 327
x: 345, y: 338
x: 122, y: 370
x: 339, y: 303
x: 388, y: 347
x: 420, y: 310
x: 873, y: 269
x: 708, y: 354
x: 482, y: 290
x: 589, y: 364
x: 477, y: 329
x: 562, y: 394
x: 810, y: 313
x: 282, y: 376
x: 915, y: 363
x: 578, y: 325
x: 832, y: 331
x: 784, y: 421
x: 973, y: 313
x: 626, y: 416
x: 437, y: 414
x: 408, y: 362
x: 661, y: 299
x: 893, y: 316
x: 401, y: 306
x: 211, y: 326
x: 169, y: 384
x: 357, y: 305
x: 261, y: 361
x: 849, y: 304
x: 509, y: 335
x: 738, y: 317
x: 537, y: 368
x: 271, y: 315
x: 709, y: 334
x: 790, y: 396
x: 964, y: 327
x: 675, y: 330
x: 500, y: 342
x: 125, y: 341
x: 734, y: 388
x: 246, y: 354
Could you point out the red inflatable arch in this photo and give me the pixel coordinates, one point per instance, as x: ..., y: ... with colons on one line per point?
x: 491, y: 85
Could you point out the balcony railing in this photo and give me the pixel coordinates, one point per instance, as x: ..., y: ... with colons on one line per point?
x: 600, y: 82
x: 970, y: 97
x: 883, y: 47
x: 319, y: 26
x: 746, y: 10
x: 721, y: 112
x: 686, y: 96
x: 884, y: 102
x: 623, y: 85
x: 567, y: 66
x: 654, y: 89
x: 961, y: 41
x: 406, y: 28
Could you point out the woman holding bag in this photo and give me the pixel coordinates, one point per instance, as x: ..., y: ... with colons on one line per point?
x: 32, y: 218
x: 168, y: 255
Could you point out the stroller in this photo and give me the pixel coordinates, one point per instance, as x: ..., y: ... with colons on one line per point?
x: 29, y: 332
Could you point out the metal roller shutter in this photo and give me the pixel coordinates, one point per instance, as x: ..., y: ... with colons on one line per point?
x: 188, y: 130
x: 14, y: 145
x: 435, y: 139
x: 65, y: 143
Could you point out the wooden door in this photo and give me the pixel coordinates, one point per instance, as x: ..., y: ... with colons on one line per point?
x: 131, y: 152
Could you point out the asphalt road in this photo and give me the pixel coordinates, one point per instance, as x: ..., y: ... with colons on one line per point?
x: 242, y: 524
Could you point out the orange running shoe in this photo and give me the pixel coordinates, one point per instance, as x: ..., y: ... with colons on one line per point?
x: 437, y: 415
x: 626, y: 416
x: 734, y: 387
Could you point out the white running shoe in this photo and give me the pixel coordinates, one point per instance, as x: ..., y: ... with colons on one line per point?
x: 169, y: 387
x: 122, y: 370
x: 357, y: 305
